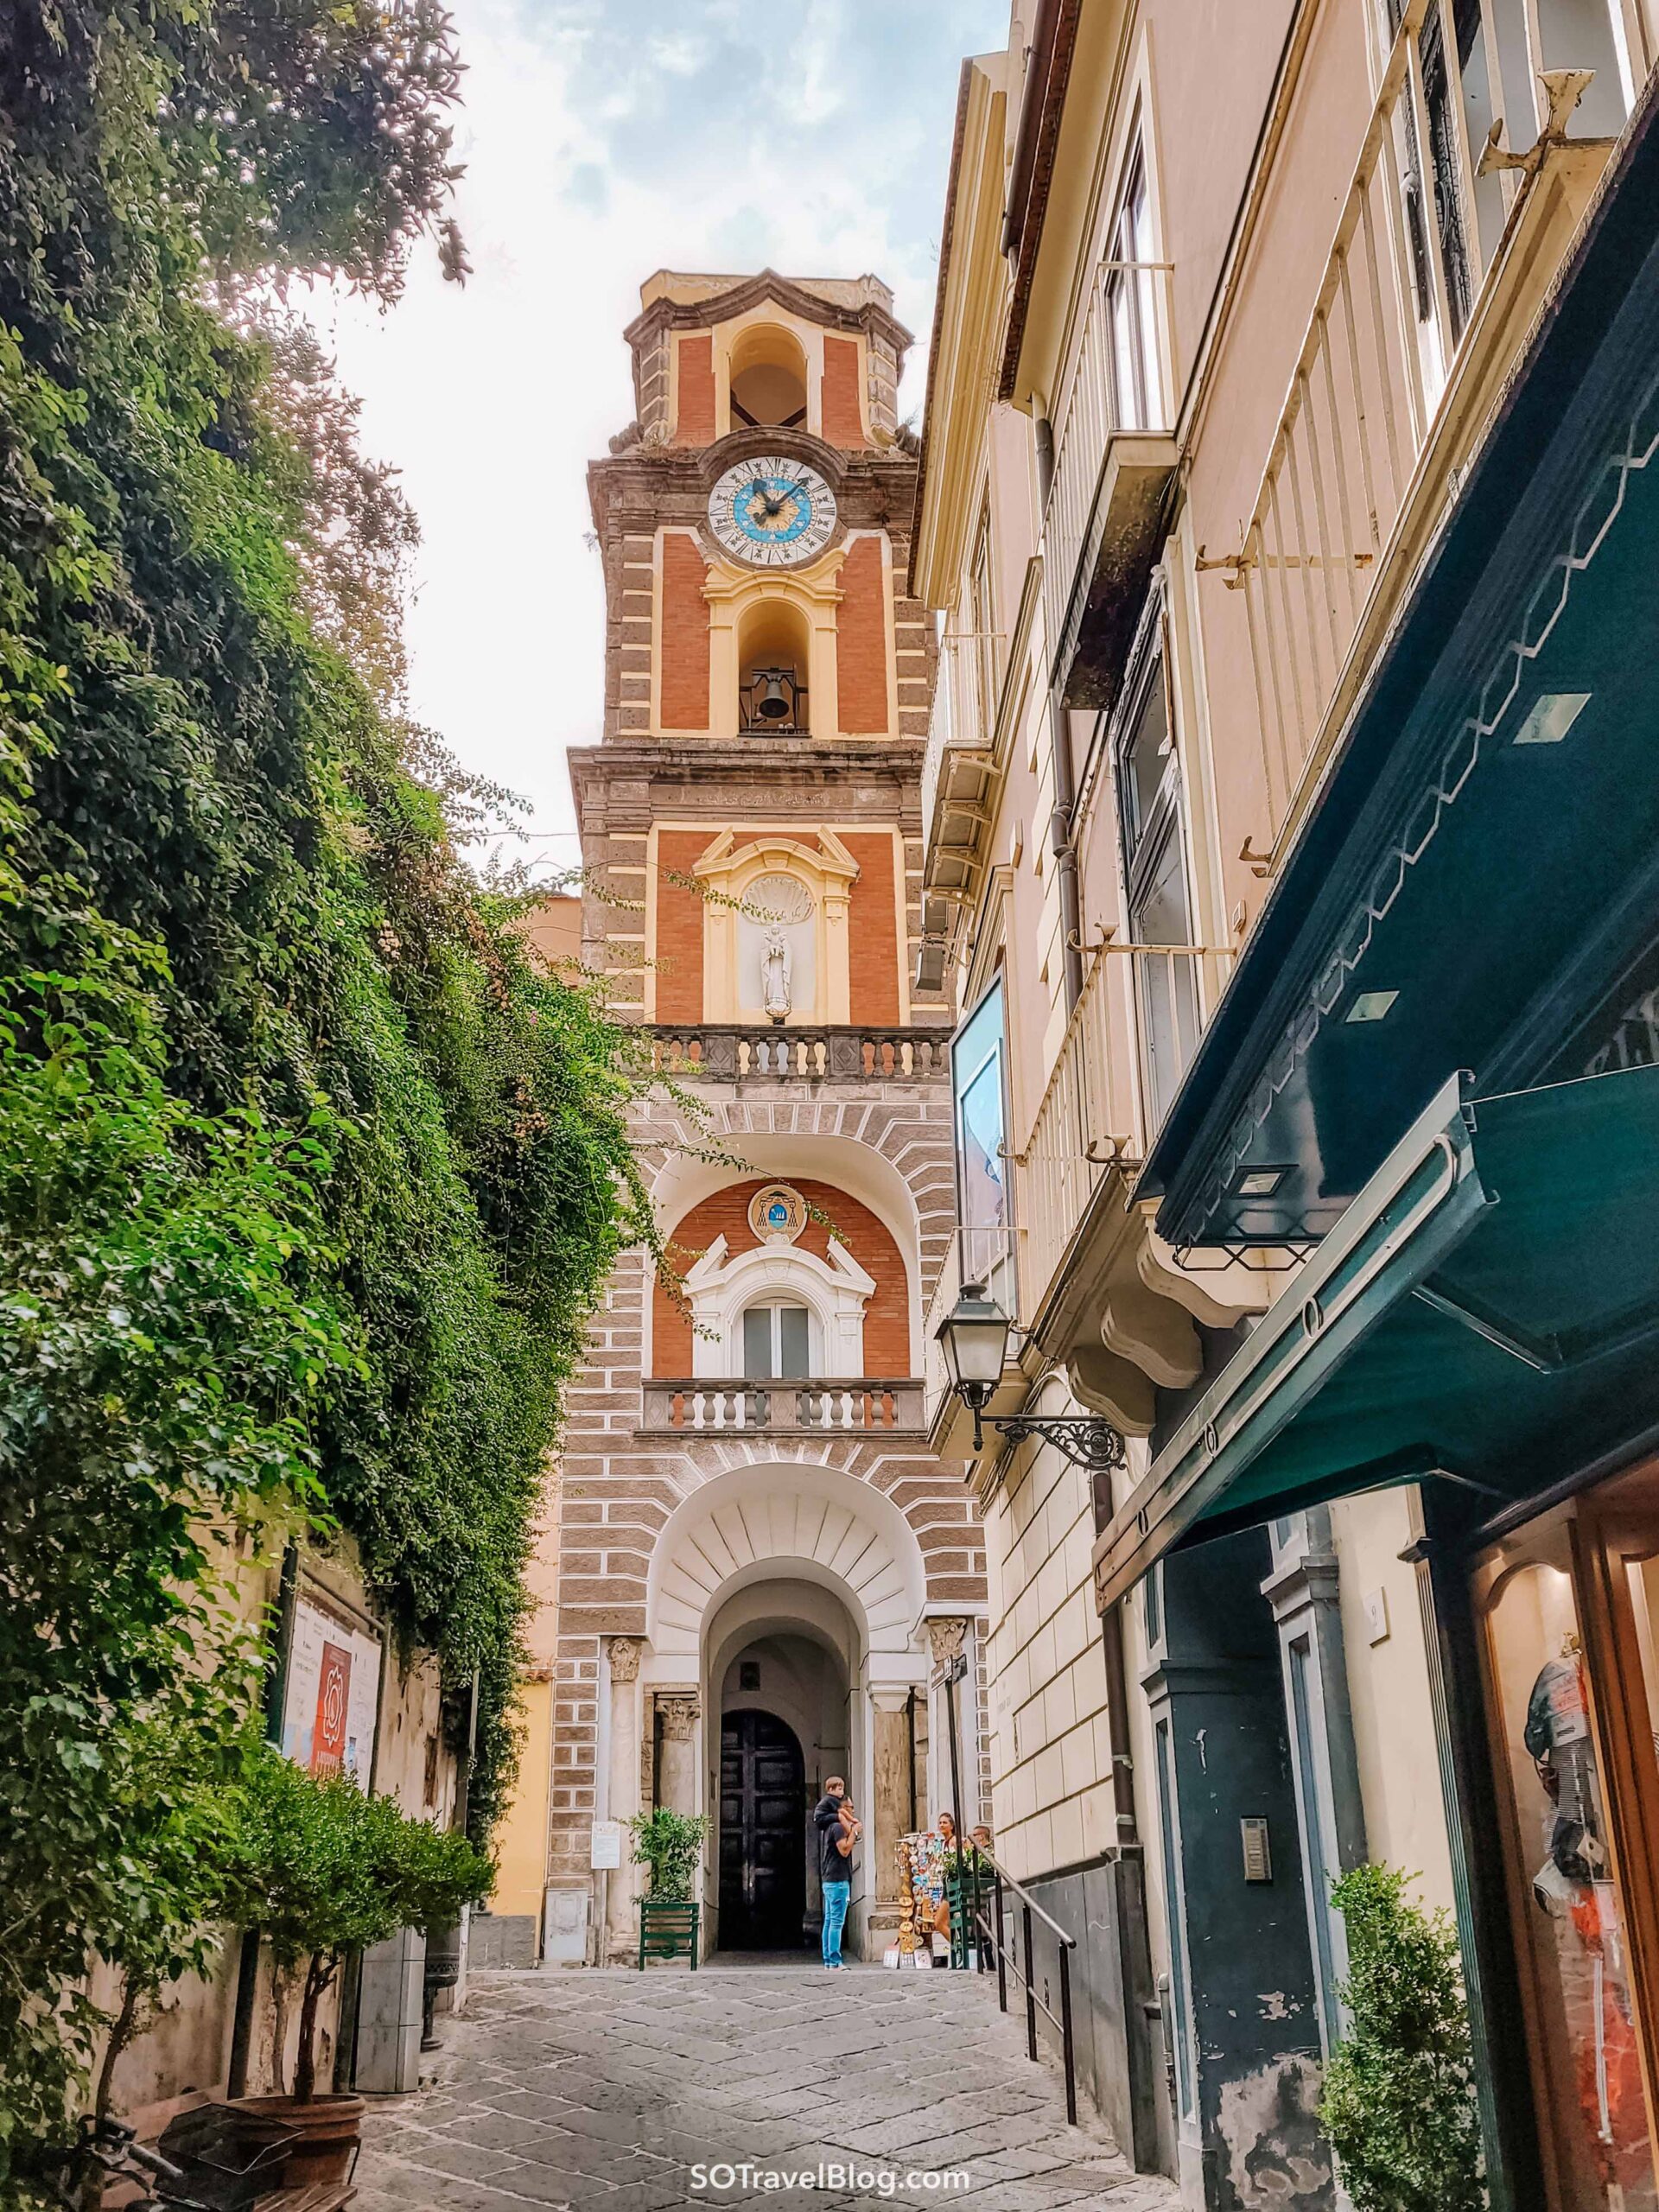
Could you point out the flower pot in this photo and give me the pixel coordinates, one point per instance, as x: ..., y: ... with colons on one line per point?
x: 324, y: 2136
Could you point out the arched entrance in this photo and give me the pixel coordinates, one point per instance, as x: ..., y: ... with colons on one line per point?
x: 762, y: 1836
x: 786, y: 1605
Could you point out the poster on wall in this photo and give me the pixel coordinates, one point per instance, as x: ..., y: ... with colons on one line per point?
x: 332, y: 1696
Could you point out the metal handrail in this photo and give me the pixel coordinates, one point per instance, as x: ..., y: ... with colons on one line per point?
x: 995, y: 1930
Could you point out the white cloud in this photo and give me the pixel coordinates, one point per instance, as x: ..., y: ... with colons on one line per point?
x: 602, y: 141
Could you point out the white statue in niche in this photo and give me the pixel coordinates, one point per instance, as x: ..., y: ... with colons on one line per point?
x: 774, y: 974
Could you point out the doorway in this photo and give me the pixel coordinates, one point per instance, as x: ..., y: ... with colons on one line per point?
x: 762, y: 1837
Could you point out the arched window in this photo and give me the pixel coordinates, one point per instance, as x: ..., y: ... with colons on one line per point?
x: 772, y: 665
x: 768, y: 379
x: 779, y: 1341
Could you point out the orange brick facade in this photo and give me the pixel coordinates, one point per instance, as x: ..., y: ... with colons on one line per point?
x: 873, y: 953
x: 886, y: 1321
x: 694, y: 422
x: 678, y: 949
x: 861, y: 641
x: 684, y: 634
x: 843, y: 423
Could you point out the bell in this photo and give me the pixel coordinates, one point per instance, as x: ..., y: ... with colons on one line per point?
x: 774, y: 693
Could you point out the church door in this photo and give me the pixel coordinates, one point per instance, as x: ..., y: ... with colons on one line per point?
x: 762, y: 1834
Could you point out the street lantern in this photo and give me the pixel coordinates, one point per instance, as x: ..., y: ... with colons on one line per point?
x: 974, y: 1339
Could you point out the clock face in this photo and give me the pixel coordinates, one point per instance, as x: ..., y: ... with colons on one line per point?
x: 772, y: 511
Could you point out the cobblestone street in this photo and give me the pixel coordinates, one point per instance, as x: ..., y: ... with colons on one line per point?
x: 571, y: 2088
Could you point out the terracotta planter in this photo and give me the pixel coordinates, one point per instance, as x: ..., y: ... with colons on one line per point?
x: 325, y: 2134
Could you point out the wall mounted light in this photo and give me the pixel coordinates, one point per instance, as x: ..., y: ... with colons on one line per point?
x: 973, y: 1339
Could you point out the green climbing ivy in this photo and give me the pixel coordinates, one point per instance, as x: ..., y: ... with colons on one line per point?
x: 308, y: 1174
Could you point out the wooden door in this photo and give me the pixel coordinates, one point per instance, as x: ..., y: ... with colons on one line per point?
x: 762, y: 1834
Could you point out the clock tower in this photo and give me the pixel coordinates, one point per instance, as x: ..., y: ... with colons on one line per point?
x: 762, y: 1569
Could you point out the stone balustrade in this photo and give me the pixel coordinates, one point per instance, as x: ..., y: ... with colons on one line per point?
x: 814, y: 1053
x: 707, y: 1404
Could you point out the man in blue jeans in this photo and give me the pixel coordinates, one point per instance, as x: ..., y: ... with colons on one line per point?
x: 838, y: 1831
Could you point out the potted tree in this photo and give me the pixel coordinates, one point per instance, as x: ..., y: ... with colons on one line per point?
x: 319, y: 1870
x: 670, y: 1844
x: 1398, y: 2102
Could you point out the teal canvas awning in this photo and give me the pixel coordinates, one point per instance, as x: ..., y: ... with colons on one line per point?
x: 1487, y: 1309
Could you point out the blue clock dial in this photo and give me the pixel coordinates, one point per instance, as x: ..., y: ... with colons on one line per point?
x: 772, y: 511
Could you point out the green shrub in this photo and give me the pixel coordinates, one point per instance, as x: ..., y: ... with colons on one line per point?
x: 1399, y: 2101
x: 671, y: 1845
x: 319, y: 1870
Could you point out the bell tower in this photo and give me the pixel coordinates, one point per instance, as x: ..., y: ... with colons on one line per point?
x: 756, y: 1545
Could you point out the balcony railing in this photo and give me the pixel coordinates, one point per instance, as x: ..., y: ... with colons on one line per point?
x: 812, y: 1406
x: 1077, y: 520
x: 1402, y: 289
x: 1071, y: 1143
x: 740, y: 1054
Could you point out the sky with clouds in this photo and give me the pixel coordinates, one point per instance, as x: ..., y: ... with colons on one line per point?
x: 604, y: 139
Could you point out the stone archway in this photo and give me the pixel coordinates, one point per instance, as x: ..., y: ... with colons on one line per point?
x: 807, y: 1566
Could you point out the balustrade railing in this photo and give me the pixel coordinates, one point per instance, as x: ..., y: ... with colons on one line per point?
x: 740, y: 1054
x: 1090, y: 413
x: 1417, y: 234
x: 815, y: 1405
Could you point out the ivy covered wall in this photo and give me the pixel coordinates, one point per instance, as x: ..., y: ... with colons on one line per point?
x: 309, y: 1176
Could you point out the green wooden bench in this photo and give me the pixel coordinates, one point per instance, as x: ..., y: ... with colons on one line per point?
x: 667, y: 1927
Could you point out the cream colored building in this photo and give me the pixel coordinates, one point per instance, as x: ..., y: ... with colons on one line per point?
x: 1231, y: 303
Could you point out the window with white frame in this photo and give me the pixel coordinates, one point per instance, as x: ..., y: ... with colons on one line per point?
x: 778, y: 1341
x: 1158, y: 903
x: 1131, y: 307
x: 981, y: 614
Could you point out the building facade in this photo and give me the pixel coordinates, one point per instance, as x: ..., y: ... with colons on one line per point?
x: 1289, y: 819
x: 766, y: 1574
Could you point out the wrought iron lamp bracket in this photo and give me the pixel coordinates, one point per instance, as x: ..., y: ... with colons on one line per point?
x: 1086, y: 1440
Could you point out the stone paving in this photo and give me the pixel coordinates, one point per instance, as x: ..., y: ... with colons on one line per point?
x: 572, y: 2089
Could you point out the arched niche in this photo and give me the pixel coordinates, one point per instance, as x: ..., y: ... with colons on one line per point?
x: 847, y: 1163
x: 776, y: 887
x: 774, y: 669
x: 767, y: 379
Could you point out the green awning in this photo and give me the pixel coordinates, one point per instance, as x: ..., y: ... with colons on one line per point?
x: 1487, y: 1309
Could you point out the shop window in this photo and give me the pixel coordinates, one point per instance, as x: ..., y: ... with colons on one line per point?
x: 1571, y: 1728
x: 777, y: 1343
x: 768, y: 380
x: 1159, y: 906
x: 771, y: 653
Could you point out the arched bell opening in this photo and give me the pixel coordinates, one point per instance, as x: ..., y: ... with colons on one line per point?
x: 773, y: 658
x: 768, y: 380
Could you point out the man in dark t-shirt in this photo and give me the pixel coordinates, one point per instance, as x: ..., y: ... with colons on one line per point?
x: 838, y: 1830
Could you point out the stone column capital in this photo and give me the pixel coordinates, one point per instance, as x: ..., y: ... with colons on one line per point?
x: 945, y: 1639
x: 891, y: 1698
x: 624, y: 1653
x: 680, y: 1715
